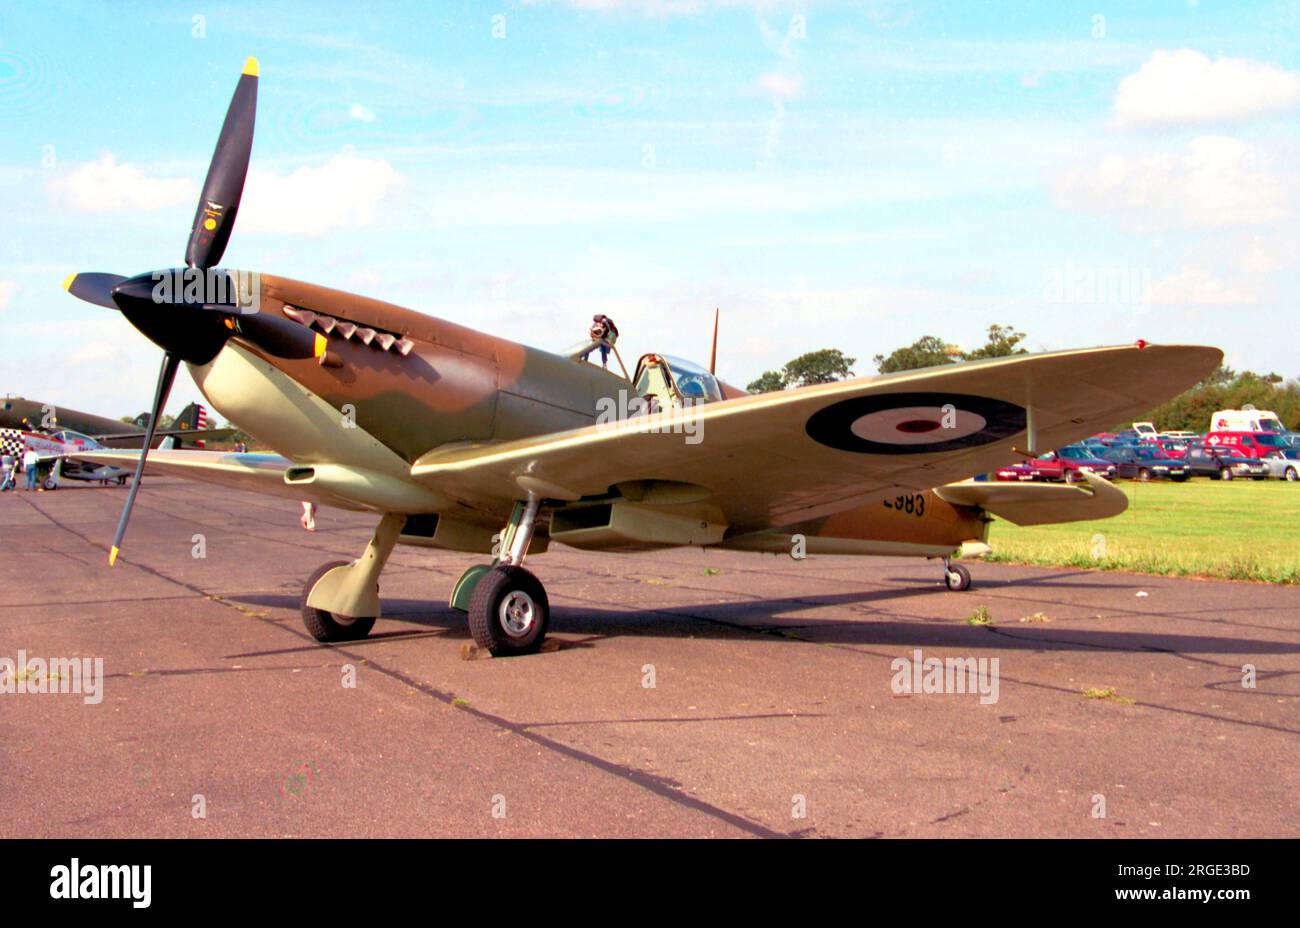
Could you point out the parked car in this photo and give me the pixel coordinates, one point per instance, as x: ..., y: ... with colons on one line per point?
x: 1144, y: 462
x: 1284, y: 464
x: 1220, y: 462
x: 1250, y: 444
x: 1063, y: 465
x: 1174, y: 447
x: 1177, y: 435
x: 1080, y: 457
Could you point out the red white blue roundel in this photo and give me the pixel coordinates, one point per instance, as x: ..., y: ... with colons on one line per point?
x: 914, y: 423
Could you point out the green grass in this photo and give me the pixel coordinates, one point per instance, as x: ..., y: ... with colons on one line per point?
x: 1235, y: 530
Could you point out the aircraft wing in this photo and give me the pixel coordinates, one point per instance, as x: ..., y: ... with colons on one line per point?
x: 777, y: 458
x: 260, y: 473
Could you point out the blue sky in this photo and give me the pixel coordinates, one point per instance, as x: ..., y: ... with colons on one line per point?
x: 853, y: 175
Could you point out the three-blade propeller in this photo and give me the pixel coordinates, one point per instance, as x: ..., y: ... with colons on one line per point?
x: 193, y: 320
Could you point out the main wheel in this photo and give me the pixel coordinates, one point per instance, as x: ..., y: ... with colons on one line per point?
x: 49, y: 483
x: 957, y: 577
x: 324, y: 625
x: 509, y: 611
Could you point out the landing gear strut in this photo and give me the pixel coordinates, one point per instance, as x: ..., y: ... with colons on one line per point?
x: 340, y: 601
x: 956, y: 576
x: 508, y: 611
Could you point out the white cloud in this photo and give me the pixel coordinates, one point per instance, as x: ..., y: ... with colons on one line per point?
x: 782, y: 86
x: 104, y: 186
x: 1216, y: 182
x: 1196, y: 286
x: 361, y: 113
x: 7, y: 290
x: 314, y: 201
x: 1186, y: 88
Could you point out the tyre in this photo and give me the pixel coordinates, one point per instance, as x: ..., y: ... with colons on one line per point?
x: 957, y: 578
x: 1144, y: 475
x: 49, y: 483
x: 1226, y: 473
x: 509, y: 612
x: 324, y: 625
x: 1071, y: 476
x: 1291, y: 474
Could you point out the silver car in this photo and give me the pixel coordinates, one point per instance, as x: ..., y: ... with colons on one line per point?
x: 1285, y: 464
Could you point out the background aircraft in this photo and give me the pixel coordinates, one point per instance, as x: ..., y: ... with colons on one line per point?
x: 191, y: 426
x: 57, y: 461
x: 449, y: 434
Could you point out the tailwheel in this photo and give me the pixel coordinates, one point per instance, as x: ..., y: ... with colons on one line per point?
x: 326, y: 626
x: 509, y: 612
x: 956, y: 576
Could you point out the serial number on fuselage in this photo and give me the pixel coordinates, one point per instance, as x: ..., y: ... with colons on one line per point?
x: 913, y: 504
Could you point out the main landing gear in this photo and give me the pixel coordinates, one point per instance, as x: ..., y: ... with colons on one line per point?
x: 956, y: 576
x: 508, y: 609
x: 340, y: 601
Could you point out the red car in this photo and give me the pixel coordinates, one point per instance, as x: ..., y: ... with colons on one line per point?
x: 1063, y: 465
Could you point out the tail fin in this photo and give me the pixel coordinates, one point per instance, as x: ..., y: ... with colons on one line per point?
x: 193, y: 417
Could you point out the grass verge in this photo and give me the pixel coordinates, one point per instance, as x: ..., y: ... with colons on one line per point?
x: 1235, y: 530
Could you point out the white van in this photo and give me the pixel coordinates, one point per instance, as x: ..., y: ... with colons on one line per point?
x: 1146, y: 430
x: 1246, y: 419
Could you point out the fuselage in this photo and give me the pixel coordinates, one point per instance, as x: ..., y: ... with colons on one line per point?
x: 400, y: 383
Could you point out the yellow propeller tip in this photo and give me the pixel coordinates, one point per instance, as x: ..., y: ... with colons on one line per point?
x: 112, y: 555
x: 319, y: 346
x: 251, y: 66
x: 67, y: 281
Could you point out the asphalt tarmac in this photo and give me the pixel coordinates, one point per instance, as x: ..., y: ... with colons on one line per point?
x: 691, y: 694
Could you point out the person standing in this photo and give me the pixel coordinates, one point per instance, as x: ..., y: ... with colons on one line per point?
x: 30, y: 460
x: 8, y: 463
x: 604, y: 333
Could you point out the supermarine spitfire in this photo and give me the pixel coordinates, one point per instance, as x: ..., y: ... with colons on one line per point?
x: 461, y: 440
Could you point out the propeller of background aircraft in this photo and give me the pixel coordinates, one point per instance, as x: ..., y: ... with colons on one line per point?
x: 184, y: 320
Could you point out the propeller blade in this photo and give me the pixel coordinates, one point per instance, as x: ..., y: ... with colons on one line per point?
x: 224, y: 185
x: 93, y: 288
x: 165, y: 377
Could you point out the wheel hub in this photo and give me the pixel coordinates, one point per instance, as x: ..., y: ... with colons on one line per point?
x: 517, y: 613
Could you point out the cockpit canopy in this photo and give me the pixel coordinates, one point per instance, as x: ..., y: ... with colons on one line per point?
x: 674, y: 381
x: 70, y: 437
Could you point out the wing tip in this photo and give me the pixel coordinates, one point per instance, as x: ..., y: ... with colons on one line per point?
x: 251, y: 67
x: 112, y: 555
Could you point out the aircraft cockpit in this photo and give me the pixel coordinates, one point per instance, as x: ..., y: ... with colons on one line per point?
x: 674, y: 382
x: 70, y: 437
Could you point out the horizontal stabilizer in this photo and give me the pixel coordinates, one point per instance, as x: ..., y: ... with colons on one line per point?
x: 1039, y: 503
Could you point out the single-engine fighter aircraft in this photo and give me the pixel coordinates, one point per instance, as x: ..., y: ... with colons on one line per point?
x: 57, y: 456
x: 457, y: 439
x: 45, y: 418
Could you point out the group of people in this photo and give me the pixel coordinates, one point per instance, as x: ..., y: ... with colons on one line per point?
x: 9, y: 469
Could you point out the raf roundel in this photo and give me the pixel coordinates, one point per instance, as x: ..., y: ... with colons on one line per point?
x: 915, y: 423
